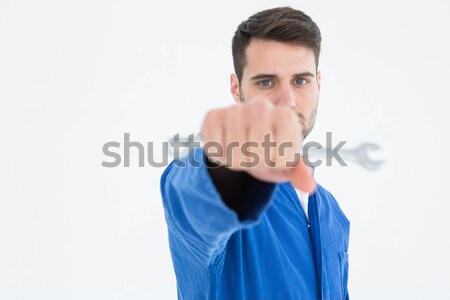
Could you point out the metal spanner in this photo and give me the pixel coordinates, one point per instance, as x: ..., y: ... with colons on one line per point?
x: 357, y: 155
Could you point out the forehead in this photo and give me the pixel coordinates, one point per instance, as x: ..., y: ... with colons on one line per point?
x: 272, y: 57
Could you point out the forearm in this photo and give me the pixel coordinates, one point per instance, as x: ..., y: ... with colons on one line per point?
x: 239, y: 190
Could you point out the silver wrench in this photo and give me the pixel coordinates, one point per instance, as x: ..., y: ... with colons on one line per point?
x: 357, y: 155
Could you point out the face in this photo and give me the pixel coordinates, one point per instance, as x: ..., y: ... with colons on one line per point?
x: 283, y: 73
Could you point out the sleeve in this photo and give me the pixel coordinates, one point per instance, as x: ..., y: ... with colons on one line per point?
x: 195, y: 212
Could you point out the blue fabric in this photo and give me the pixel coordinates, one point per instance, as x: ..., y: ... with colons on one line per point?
x: 269, y: 254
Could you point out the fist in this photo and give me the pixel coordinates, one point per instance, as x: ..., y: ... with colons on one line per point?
x: 259, y: 138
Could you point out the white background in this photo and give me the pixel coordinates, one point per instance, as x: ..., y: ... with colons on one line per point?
x: 77, y: 74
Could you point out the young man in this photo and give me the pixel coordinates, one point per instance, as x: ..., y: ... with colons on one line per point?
x: 238, y: 228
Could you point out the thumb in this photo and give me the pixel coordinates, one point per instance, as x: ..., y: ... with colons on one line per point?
x: 301, y: 178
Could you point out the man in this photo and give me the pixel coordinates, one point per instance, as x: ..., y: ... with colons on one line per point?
x: 238, y: 228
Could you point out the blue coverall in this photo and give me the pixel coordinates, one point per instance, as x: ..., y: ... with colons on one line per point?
x: 270, y: 253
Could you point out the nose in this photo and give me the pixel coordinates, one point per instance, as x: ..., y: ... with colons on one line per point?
x: 285, y: 97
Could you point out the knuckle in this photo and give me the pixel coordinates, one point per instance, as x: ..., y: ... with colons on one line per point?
x: 263, y: 107
x: 234, y: 111
x: 211, y: 116
x: 230, y: 120
x: 285, y: 120
x: 210, y: 121
x: 284, y: 115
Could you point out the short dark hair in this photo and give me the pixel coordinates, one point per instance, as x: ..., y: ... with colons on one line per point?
x: 282, y: 24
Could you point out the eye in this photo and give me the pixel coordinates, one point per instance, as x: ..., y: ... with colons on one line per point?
x: 265, y: 83
x: 301, y: 81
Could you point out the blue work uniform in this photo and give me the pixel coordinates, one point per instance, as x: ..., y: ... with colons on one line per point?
x: 270, y: 253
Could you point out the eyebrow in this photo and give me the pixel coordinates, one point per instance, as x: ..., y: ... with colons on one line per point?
x: 271, y: 76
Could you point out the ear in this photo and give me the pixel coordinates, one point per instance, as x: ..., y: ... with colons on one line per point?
x: 234, y: 88
x: 318, y: 76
